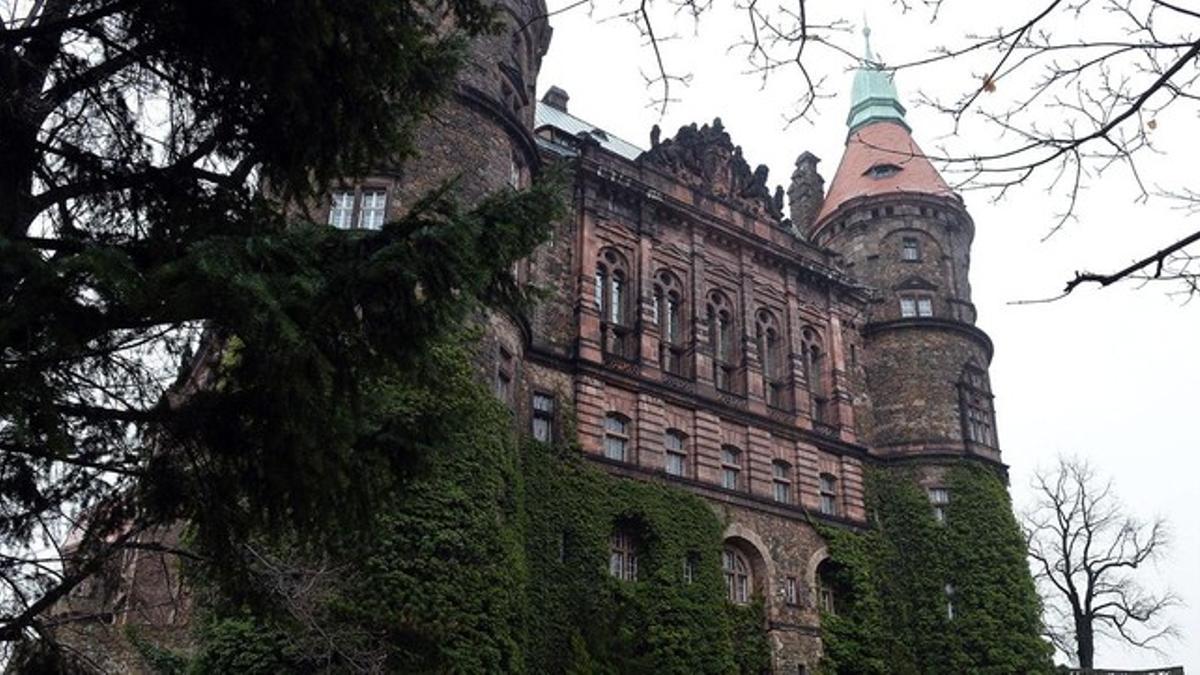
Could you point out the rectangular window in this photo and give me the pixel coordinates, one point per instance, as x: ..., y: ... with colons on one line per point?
x: 729, y: 478
x: 676, y: 463
x: 782, y: 487
x: 373, y: 210
x: 622, y: 558
x: 939, y: 498
x: 828, y: 504
x: 783, y: 492
x: 908, y: 307
x: 691, y: 563
x: 912, y: 250
x: 791, y: 593
x: 504, y: 376
x: 924, y: 307
x: 616, y: 439
x: 543, y: 417
x: 341, y: 209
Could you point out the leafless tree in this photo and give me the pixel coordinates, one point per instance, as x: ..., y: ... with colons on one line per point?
x: 1075, y: 89
x: 1086, y: 550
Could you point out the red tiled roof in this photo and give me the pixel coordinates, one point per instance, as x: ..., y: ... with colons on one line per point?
x: 872, y: 145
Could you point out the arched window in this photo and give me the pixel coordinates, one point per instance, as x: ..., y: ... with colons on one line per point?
x: 828, y: 600
x: 731, y: 467
x: 623, y: 555
x: 813, y: 357
x: 723, y: 338
x: 616, y: 437
x: 770, y: 352
x: 738, y: 580
x: 611, y: 299
x: 978, y: 420
x: 829, y: 494
x: 674, y: 443
x: 668, y: 315
x: 781, y: 476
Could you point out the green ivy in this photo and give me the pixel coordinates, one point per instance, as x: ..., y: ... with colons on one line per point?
x: 492, y: 556
x: 896, y: 618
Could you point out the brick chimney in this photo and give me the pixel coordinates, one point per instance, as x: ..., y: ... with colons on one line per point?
x: 556, y: 98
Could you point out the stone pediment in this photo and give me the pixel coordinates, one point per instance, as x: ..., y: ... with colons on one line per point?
x: 915, y: 283
x: 706, y: 159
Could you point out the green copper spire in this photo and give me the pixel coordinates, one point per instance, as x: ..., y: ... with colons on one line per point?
x: 873, y: 97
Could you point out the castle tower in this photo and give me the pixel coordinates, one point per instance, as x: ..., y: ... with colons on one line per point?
x: 900, y: 229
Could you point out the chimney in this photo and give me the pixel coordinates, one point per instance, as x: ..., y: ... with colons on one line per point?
x: 806, y: 192
x: 556, y: 98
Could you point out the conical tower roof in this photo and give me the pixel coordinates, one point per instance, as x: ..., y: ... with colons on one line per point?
x: 881, y: 157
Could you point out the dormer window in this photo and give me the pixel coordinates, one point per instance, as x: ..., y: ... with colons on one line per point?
x: 882, y: 171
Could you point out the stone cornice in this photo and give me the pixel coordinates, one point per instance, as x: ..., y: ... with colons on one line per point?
x: 974, y: 333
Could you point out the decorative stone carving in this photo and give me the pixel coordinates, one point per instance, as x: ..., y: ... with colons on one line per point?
x: 705, y: 158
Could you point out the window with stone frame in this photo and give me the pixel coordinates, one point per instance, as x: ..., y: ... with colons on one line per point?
x: 913, y: 305
x: 910, y: 249
x: 623, y: 555
x: 723, y: 338
x: 978, y: 418
x: 542, y: 417
x: 667, y: 313
x: 791, y: 592
x: 781, y: 481
x: 616, y: 437
x: 738, y: 579
x: 674, y: 446
x: 812, y: 357
x: 828, y: 494
x: 939, y: 498
x: 611, y: 297
x: 770, y: 351
x: 731, y: 467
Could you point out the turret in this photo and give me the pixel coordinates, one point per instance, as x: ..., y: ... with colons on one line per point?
x: 900, y: 229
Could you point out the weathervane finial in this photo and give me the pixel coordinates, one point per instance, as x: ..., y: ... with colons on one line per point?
x: 868, y: 57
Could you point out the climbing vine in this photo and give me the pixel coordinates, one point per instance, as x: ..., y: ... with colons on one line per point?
x: 930, y: 597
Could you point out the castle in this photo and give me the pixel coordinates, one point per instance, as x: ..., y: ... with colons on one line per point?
x: 705, y: 334
x: 705, y: 338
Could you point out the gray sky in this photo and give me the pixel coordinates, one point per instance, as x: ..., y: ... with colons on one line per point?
x: 1107, y: 374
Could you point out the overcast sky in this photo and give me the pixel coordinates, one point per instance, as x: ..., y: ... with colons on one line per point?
x: 1107, y: 374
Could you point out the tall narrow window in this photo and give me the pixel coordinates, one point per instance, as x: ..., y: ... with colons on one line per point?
x: 611, y: 299
x: 543, y: 417
x: 691, y: 567
x: 731, y: 466
x: 341, y: 209
x: 737, y: 576
x: 771, y: 353
x: 912, y: 249
x: 504, y: 375
x: 668, y: 303
x: 813, y: 358
x: 829, y: 494
x: 676, y: 459
x: 616, y: 437
x: 826, y: 584
x: 791, y: 593
x: 978, y: 421
x: 781, y: 475
x: 722, y: 337
x: 939, y: 498
x: 623, y: 556
x: 374, y: 209
x: 951, y: 591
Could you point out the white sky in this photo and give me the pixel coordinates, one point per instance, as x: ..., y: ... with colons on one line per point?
x: 1107, y: 374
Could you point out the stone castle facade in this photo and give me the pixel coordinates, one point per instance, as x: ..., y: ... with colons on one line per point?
x: 702, y: 333
x: 757, y: 348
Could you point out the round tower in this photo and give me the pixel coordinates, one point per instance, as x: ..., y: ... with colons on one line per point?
x: 901, y: 230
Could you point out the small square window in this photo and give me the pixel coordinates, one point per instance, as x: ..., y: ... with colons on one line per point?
x: 924, y: 307
x: 908, y: 307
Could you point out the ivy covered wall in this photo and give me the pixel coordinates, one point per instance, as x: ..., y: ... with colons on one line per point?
x: 921, y: 596
x: 493, y: 557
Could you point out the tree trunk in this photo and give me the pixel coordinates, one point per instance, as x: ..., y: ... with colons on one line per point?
x: 1085, y: 645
